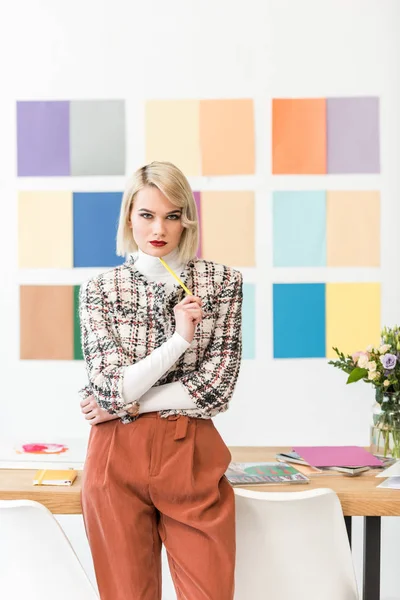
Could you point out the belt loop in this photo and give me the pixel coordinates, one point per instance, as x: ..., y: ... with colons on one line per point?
x: 181, y: 427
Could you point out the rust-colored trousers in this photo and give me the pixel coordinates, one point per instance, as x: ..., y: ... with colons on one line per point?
x: 158, y: 481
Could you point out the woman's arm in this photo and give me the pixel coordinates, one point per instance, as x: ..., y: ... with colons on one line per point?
x: 109, y: 367
x: 212, y: 385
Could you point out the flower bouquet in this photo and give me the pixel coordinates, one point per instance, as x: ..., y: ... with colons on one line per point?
x: 380, y: 367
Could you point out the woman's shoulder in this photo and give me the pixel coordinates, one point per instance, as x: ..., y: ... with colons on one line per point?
x: 108, y: 281
x: 216, y: 274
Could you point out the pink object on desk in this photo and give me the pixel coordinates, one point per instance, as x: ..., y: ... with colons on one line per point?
x: 337, y: 456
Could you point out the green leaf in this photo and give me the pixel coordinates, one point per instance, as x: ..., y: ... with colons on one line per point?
x: 357, y: 374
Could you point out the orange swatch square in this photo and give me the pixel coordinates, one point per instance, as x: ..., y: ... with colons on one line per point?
x: 227, y: 137
x: 353, y: 229
x: 299, y: 136
x: 46, y: 322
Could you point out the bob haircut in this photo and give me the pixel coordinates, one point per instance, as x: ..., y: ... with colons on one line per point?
x: 173, y: 184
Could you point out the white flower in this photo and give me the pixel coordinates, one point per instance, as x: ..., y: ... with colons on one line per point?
x: 371, y: 366
x: 372, y: 375
x: 386, y: 382
x: 384, y: 348
x: 363, y: 361
x: 370, y: 348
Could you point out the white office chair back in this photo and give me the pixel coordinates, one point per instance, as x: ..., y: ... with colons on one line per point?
x: 36, y: 559
x: 292, y: 546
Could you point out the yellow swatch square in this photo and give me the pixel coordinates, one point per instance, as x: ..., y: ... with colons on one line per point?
x: 227, y: 137
x: 173, y: 133
x: 353, y: 316
x: 227, y: 226
x: 45, y: 230
x: 353, y: 229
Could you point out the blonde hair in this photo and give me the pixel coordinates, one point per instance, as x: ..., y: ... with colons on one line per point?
x: 173, y: 184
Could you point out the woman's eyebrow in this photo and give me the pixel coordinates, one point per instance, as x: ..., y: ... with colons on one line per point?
x: 153, y: 213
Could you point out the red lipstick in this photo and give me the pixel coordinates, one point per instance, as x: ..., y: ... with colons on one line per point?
x: 157, y: 244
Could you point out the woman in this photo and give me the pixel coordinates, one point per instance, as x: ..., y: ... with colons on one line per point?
x: 160, y: 365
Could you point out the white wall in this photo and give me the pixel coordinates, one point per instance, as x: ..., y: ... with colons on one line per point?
x: 261, y: 49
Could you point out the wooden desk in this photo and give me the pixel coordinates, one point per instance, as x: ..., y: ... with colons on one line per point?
x: 358, y: 496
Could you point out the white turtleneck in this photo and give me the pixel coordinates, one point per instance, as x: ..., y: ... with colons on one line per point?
x: 140, y: 378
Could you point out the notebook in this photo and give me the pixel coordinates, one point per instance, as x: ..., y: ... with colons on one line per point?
x: 54, y: 477
x: 337, y: 456
x: 253, y: 473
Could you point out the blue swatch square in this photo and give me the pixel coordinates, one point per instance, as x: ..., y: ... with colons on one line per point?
x: 95, y: 228
x: 249, y: 324
x: 299, y: 320
x: 299, y: 229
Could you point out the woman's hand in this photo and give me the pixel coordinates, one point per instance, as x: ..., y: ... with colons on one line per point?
x: 188, y: 314
x: 93, y: 413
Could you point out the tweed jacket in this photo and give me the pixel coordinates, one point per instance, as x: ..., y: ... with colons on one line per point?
x: 124, y: 317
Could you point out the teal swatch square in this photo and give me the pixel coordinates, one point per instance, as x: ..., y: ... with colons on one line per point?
x: 299, y: 229
x: 248, y: 325
x: 299, y: 320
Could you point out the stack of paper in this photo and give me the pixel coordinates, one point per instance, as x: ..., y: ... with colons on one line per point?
x: 393, y: 477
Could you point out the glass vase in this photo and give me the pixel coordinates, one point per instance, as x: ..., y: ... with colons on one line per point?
x: 385, y: 427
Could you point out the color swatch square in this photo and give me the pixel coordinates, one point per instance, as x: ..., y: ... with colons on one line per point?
x: 227, y: 227
x: 97, y: 137
x: 353, y: 135
x: 43, y: 139
x: 299, y: 229
x: 249, y: 321
x: 299, y: 320
x: 45, y: 230
x: 46, y: 322
x: 353, y: 229
x: 173, y: 133
x: 353, y: 316
x: 96, y: 217
x: 298, y: 136
x: 227, y: 137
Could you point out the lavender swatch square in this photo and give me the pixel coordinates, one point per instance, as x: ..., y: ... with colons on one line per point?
x: 353, y: 135
x: 43, y: 138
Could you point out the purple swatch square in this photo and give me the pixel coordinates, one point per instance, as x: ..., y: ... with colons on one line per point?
x: 43, y: 138
x: 197, y: 198
x: 353, y: 135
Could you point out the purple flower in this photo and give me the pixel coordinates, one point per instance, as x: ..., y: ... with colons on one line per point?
x: 389, y: 361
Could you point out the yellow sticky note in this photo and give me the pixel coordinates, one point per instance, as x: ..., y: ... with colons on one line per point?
x: 353, y: 316
x: 353, y: 229
x: 227, y: 225
x: 173, y: 133
x: 45, y: 230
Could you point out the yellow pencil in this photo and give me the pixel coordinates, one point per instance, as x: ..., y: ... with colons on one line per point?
x: 41, y: 476
x: 176, y: 277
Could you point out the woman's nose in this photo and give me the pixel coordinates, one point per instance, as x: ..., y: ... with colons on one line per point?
x: 159, y: 227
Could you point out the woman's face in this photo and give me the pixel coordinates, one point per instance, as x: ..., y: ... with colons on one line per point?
x: 154, y: 218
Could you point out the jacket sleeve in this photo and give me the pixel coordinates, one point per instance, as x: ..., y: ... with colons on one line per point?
x: 212, y: 385
x: 105, y: 359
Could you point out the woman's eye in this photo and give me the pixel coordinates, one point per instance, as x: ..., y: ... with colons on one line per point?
x: 174, y: 217
x: 145, y: 215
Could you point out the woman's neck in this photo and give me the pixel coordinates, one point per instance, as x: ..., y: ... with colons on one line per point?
x: 153, y: 269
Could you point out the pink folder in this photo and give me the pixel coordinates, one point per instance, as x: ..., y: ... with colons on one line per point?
x: 337, y: 456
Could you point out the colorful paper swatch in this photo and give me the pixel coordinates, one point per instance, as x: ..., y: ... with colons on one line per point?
x: 299, y: 229
x: 325, y: 135
x: 353, y: 229
x: 311, y: 318
x: 249, y: 321
x: 334, y: 229
x: 202, y: 137
x: 46, y: 319
x: 45, y: 230
x: 227, y: 227
x: 353, y: 316
x: 60, y: 138
x: 173, y: 133
x: 95, y: 228
x: 227, y: 137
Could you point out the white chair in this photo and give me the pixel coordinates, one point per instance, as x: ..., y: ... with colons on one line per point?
x: 292, y: 546
x: 36, y: 559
